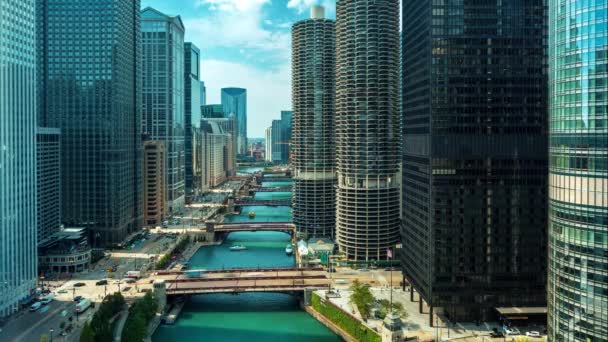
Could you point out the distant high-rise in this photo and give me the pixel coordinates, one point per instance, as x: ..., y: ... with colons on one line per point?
x: 212, y: 111
x: 268, y: 144
x: 48, y: 169
x: 17, y: 153
x: 164, y: 95
x: 578, y: 171
x: 276, y: 150
x: 216, y: 153
x: 89, y: 72
x: 475, y: 154
x: 286, y: 129
x: 368, y: 139
x: 192, y: 113
x: 155, y: 194
x: 203, y: 93
x: 234, y: 101
x: 228, y: 126
x: 313, y: 145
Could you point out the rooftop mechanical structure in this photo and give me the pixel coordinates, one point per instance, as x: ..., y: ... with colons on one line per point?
x: 368, y: 136
x: 313, y: 79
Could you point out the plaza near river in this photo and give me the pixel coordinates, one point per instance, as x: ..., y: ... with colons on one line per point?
x: 247, y: 316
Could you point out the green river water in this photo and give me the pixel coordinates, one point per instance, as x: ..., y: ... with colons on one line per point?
x: 250, y: 317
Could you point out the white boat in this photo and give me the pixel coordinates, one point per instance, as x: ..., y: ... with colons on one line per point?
x: 238, y: 248
x: 289, y: 250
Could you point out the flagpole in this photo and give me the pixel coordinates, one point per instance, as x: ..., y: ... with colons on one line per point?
x: 391, y: 283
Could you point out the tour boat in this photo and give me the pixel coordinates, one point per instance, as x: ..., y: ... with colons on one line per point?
x: 238, y: 248
x: 251, y: 214
x: 288, y: 250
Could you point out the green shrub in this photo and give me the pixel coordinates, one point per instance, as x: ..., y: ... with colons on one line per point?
x: 140, y: 314
x: 351, y: 325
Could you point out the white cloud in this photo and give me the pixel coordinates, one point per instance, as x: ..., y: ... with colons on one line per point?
x: 268, y: 92
x: 233, y: 5
x: 304, y: 5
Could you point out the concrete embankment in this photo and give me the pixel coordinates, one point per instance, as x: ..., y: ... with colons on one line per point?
x: 329, y: 324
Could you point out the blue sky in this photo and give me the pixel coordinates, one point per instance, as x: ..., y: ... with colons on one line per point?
x: 245, y: 43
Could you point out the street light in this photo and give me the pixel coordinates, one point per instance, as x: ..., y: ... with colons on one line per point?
x: 51, y: 330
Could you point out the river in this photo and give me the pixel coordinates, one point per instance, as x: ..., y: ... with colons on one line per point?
x: 250, y: 317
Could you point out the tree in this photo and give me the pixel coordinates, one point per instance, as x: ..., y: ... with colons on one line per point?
x: 135, y: 328
x: 87, y: 334
x: 362, y: 298
x: 44, y: 338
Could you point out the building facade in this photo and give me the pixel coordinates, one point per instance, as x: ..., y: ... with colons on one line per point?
x: 66, y: 251
x: 234, y: 101
x: 192, y: 114
x: 313, y: 145
x: 228, y: 126
x: 203, y: 93
x: 48, y: 170
x: 268, y: 144
x: 277, y: 141
x: 164, y: 96
x: 475, y: 154
x: 17, y: 153
x: 212, y: 111
x: 368, y: 139
x: 286, y: 131
x: 155, y: 193
x: 578, y: 171
x: 216, y: 153
x: 89, y: 71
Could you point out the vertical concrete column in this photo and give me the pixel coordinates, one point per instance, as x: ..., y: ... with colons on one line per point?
x: 431, y: 315
x: 160, y: 292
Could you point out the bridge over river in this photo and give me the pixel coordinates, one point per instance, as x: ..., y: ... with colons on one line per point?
x: 242, y: 280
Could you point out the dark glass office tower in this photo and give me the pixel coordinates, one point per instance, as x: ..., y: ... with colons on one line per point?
x: 286, y: 129
x: 578, y: 171
x: 91, y: 91
x: 475, y: 154
x: 313, y: 144
x: 192, y: 113
x: 368, y: 139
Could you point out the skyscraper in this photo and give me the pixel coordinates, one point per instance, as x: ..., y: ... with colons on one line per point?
x: 89, y: 71
x: 155, y: 195
x: 164, y: 96
x: 48, y: 170
x: 234, y: 101
x: 368, y: 139
x: 17, y: 153
x: 268, y: 144
x: 578, y: 171
x: 475, y: 154
x: 192, y: 112
x: 277, y: 152
x: 286, y: 128
x: 313, y: 96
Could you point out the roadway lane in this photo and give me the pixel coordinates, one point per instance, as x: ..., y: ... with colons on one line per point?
x: 29, y: 326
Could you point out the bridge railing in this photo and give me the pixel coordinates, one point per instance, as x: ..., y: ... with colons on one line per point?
x: 248, y: 270
x: 296, y: 287
x: 203, y: 279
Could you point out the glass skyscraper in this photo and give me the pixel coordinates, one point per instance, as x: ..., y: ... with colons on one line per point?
x: 475, y: 154
x: 578, y: 171
x: 163, y: 95
x: 234, y: 101
x: 192, y: 113
x: 89, y: 58
x: 18, y: 255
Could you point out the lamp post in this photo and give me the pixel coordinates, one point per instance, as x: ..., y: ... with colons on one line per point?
x: 51, y: 330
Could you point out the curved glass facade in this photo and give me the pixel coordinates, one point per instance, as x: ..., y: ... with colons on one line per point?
x: 578, y: 172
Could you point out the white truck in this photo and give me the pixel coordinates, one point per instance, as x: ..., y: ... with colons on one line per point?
x: 134, y: 274
x: 83, y: 305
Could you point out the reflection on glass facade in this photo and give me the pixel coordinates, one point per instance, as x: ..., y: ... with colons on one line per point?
x: 234, y: 101
x: 368, y: 140
x: 17, y: 153
x: 313, y: 92
x: 475, y: 154
x: 578, y: 178
x: 89, y: 77
x: 163, y: 95
x: 192, y: 114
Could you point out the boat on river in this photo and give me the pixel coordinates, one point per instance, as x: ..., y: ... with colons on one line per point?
x: 238, y: 248
x: 251, y: 214
x: 289, y: 249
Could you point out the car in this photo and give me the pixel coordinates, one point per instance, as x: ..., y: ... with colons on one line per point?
x: 35, y: 306
x: 62, y: 291
x: 512, y: 331
x: 77, y: 299
x: 532, y: 333
x: 80, y: 284
x: 497, y: 334
x: 101, y: 282
x: 126, y: 289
